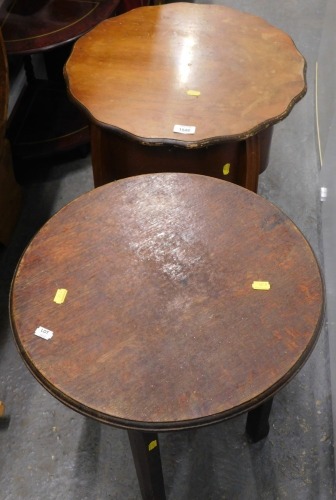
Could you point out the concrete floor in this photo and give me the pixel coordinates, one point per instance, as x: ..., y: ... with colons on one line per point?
x: 50, y: 452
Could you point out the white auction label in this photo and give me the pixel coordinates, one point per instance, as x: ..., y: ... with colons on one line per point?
x: 184, y: 129
x: 44, y: 333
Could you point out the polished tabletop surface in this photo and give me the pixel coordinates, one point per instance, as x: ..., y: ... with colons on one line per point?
x: 175, y: 300
x: 212, y: 71
x: 34, y: 25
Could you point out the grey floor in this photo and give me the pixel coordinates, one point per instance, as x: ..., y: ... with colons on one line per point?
x: 47, y: 451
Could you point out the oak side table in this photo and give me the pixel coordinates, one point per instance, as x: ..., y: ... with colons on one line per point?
x: 184, y: 87
x: 164, y: 302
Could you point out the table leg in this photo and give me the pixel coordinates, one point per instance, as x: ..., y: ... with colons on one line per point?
x: 98, y: 155
x: 54, y: 61
x: 4, y: 420
x: 147, y: 460
x: 29, y: 69
x: 257, y: 425
x: 252, y: 168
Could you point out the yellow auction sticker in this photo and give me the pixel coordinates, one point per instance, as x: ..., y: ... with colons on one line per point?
x: 261, y: 285
x: 60, y: 295
x: 194, y: 92
x: 226, y: 168
x: 152, y: 445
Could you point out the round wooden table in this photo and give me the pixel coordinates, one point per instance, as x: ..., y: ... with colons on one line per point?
x: 165, y: 302
x: 184, y: 87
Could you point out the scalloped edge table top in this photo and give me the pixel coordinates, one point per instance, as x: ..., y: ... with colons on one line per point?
x: 226, y: 73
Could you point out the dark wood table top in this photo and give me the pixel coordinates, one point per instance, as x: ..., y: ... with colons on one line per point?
x: 34, y: 25
x: 224, y: 72
x: 161, y: 327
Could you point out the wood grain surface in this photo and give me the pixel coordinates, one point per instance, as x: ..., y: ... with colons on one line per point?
x: 161, y: 328
x: 138, y: 73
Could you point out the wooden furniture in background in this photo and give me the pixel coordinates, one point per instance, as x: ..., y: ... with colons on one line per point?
x: 175, y: 301
x: 10, y: 192
x: 44, y: 121
x: 223, y: 77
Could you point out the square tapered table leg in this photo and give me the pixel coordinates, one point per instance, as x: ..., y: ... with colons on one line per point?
x: 147, y: 460
x: 257, y: 425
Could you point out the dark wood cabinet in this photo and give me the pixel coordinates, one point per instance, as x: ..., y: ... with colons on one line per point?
x: 10, y: 192
x: 44, y: 121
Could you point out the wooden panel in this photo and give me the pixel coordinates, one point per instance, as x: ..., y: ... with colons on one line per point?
x: 115, y: 156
